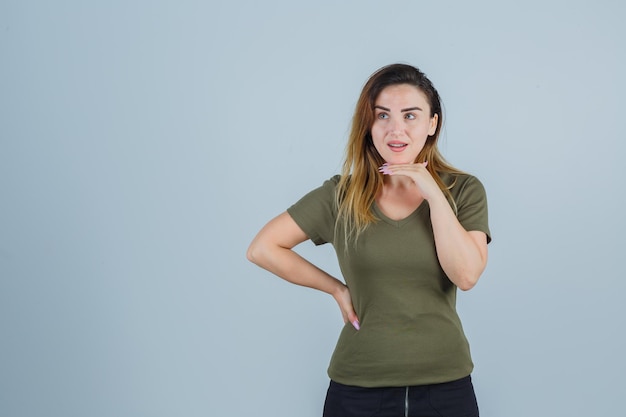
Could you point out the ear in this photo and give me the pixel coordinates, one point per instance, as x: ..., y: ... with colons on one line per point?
x: 433, y: 124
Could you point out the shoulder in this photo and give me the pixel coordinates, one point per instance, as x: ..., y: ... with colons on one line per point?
x: 329, y: 186
x: 315, y: 212
x: 333, y: 181
x: 470, y: 200
x: 458, y: 181
x: 464, y: 187
x: 324, y: 192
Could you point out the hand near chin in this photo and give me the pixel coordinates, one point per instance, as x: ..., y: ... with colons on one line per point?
x: 417, y: 172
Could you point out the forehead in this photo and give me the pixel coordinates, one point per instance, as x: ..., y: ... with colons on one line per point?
x: 401, y: 93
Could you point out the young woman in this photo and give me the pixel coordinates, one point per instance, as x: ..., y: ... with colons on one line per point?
x: 408, y: 230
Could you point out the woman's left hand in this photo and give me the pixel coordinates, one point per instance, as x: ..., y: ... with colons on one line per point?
x: 462, y: 254
x: 418, y: 173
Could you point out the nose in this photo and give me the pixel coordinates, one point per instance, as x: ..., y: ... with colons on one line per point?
x: 396, y: 126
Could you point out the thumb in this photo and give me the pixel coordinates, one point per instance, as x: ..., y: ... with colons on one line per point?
x: 354, y: 320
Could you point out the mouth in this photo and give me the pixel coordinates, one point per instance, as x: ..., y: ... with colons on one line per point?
x: 397, y: 146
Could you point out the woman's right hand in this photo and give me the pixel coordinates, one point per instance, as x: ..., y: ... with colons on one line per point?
x: 343, y: 298
x: 271, y: 249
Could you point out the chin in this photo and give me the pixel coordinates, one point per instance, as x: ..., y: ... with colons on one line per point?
x: 398, y: 161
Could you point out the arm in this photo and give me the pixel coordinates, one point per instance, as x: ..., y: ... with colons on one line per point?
x: 272, y: 249
x: 461, y: 254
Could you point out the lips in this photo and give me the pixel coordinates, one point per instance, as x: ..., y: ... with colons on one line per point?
x: 396, y: 146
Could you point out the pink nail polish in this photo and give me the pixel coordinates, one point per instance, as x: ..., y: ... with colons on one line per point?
x: 356, y: 325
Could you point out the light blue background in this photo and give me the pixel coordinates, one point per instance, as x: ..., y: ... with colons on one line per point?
x: 143, y: 144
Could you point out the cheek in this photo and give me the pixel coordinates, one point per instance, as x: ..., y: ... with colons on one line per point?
x: 377, y: 139
x: 422, y: 129
x: 376, y: 132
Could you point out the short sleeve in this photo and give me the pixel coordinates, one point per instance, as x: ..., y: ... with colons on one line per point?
x: 471, y: 201
x: 315, y: 213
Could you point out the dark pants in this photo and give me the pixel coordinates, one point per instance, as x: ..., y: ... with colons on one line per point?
x: 450, y: 399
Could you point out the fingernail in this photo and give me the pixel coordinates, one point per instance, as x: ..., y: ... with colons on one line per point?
x: 356, y: 325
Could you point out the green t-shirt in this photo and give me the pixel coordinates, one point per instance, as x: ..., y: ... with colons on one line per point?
x: 410, y: 331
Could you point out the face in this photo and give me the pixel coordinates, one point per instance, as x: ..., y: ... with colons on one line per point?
x: 402, y: 123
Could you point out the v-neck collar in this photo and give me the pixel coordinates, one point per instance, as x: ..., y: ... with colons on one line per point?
x: 401, y: 222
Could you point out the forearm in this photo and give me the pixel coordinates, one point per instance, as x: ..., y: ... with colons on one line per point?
x: 292, y: 267
x: 459, y: 255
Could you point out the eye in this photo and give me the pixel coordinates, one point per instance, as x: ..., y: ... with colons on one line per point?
x: 382, y: 115
x: 409, y: 116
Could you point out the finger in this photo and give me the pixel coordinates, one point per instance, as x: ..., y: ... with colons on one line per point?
x: 348, y: 313
x: 353, y: 319
x: 391, y: 169
x: 385, y: 169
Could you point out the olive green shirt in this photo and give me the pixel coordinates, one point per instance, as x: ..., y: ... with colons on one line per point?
x: 410, y: 331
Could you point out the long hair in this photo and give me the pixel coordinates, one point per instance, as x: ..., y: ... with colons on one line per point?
x: 360, y: 181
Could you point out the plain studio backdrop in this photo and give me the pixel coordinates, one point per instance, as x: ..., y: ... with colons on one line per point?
x: 143, y: 144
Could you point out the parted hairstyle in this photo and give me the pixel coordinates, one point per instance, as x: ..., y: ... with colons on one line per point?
x: 361, y: 181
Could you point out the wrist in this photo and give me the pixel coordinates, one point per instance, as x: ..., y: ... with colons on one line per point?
x: 338, y: 290
x: 436, y: 198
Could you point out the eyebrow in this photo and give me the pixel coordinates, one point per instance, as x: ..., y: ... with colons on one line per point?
x: 403, y: 110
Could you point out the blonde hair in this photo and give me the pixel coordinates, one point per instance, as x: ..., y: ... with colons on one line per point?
x: 361, y: 181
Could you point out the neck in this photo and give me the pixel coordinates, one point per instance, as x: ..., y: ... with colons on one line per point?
x: 398, y: 182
